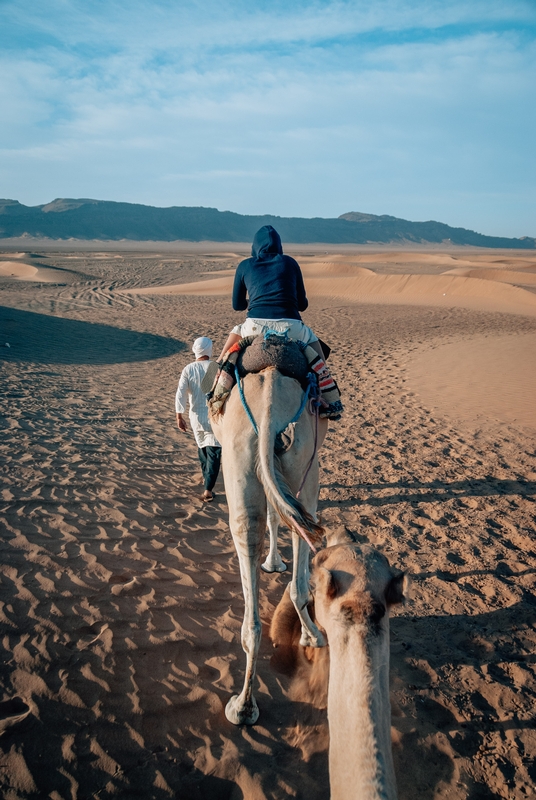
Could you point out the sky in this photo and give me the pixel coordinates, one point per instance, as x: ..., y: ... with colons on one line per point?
x: 421, y: 109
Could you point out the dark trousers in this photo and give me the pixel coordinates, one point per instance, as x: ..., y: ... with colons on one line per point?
x: 210, y: 459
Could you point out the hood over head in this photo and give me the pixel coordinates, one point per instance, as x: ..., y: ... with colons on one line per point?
x: 266, y: 243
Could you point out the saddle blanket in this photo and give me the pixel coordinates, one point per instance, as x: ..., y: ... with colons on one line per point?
x: 253, y: 354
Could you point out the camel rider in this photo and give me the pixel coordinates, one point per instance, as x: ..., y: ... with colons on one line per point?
x: 270, y: 286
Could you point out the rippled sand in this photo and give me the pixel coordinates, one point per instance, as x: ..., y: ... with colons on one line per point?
x: 120, y: 598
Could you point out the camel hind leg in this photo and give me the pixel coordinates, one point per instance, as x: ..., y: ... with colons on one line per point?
x: 274, y: 562
x: 299, y: 586
x: 248, y: 529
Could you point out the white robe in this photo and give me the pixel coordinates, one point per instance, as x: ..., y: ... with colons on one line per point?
x: 189, y: 389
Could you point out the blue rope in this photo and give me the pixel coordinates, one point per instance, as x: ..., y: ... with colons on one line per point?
x: 311, y: 382
x: 243, y: 399
x: 309, y: 391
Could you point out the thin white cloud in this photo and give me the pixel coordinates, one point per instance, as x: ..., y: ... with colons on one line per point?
x: 160, y: 26
x: 160, y: 105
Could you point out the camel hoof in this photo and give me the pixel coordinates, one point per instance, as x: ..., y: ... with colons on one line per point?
x: 310, y: 639
x: 280, y: 566
x: 239, y: 714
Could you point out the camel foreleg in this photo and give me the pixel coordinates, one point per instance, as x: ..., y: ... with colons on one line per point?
x: 274, y: 562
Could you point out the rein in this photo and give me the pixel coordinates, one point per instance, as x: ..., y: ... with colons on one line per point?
x: 308, y: 393
x: 244, y: 403
x: 315, y: 404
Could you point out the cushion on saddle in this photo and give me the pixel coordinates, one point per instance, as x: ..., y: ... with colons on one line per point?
x: 272, y: 350
x: 253, y: 354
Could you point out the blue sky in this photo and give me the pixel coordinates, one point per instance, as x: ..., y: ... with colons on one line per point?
x: 422, y: 110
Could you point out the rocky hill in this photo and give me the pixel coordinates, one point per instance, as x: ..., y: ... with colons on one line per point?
x: 102, y: 219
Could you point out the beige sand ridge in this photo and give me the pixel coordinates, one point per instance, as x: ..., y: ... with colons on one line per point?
x: 19, y: 270
x: 519, y: 277
x: 29, y: 267
x: 342, y: 278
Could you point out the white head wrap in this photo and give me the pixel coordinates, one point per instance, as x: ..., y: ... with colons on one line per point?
x: 202, y: 347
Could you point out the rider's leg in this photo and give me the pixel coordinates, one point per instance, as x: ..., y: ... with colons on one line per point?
x: 329, y: 391
x: 233, y: 338
x: 318, y: 347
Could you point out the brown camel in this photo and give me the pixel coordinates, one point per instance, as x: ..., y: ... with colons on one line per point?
x: 353, y: 589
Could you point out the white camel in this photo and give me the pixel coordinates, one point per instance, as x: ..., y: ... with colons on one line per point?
x: 257, y: 479
x: 353, y: 589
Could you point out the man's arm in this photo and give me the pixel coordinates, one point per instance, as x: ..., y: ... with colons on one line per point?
x: 181, y: 398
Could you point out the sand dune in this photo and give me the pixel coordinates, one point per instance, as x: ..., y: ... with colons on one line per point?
x: 335, y: 268
x: 490, y: 376
x: 24, y: 256
x: 29, y: 267
x: 441, y: 259
x: 524, y: 277
x: 215, y: 286
x: 484, y: 258
x: 430, y: 290
x: 120, y: 596
x: 357, y: 284
x: 18, y: 269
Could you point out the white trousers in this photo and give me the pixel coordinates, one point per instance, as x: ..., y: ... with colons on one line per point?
x: 294, y: 328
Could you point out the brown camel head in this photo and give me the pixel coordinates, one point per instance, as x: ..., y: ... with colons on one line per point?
x: 354, y: 585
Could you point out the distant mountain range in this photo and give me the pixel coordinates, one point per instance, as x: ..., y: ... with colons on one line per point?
x: 103, y: 219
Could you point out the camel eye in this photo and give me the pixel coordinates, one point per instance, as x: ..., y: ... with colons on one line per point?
x: 348, y: 613
x: 377, y: 613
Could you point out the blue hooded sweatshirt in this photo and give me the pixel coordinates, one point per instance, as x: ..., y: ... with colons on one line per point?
x: 269, y: 284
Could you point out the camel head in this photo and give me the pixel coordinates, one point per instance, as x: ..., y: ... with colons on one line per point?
x: 354, y: 585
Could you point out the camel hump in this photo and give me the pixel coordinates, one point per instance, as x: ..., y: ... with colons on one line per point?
x: 272, y: 350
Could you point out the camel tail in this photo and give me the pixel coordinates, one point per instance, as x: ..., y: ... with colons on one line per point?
x: 278, y: 492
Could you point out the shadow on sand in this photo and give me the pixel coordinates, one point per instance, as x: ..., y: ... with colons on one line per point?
x: 491, y: 641
x: 432, y: 492
x: 44, y: 339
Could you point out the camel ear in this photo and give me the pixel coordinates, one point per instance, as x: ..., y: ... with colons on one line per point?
x: 340, y: 535
x: 326, y: 583
x: 397, y: 589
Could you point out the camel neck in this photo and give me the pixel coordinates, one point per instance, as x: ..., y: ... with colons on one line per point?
x: 359, y: 714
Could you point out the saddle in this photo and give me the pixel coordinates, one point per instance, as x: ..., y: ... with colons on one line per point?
x: 272, y: 350
x: 253, y: 354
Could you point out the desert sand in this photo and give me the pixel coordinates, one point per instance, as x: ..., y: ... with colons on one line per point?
x: 120, y: 597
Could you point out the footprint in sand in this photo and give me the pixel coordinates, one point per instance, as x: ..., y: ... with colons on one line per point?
x: 88, y: 634
x: 12, y: 712
x: 124, y: 584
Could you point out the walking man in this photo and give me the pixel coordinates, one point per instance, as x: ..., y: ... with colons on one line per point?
x: 189, y: 390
